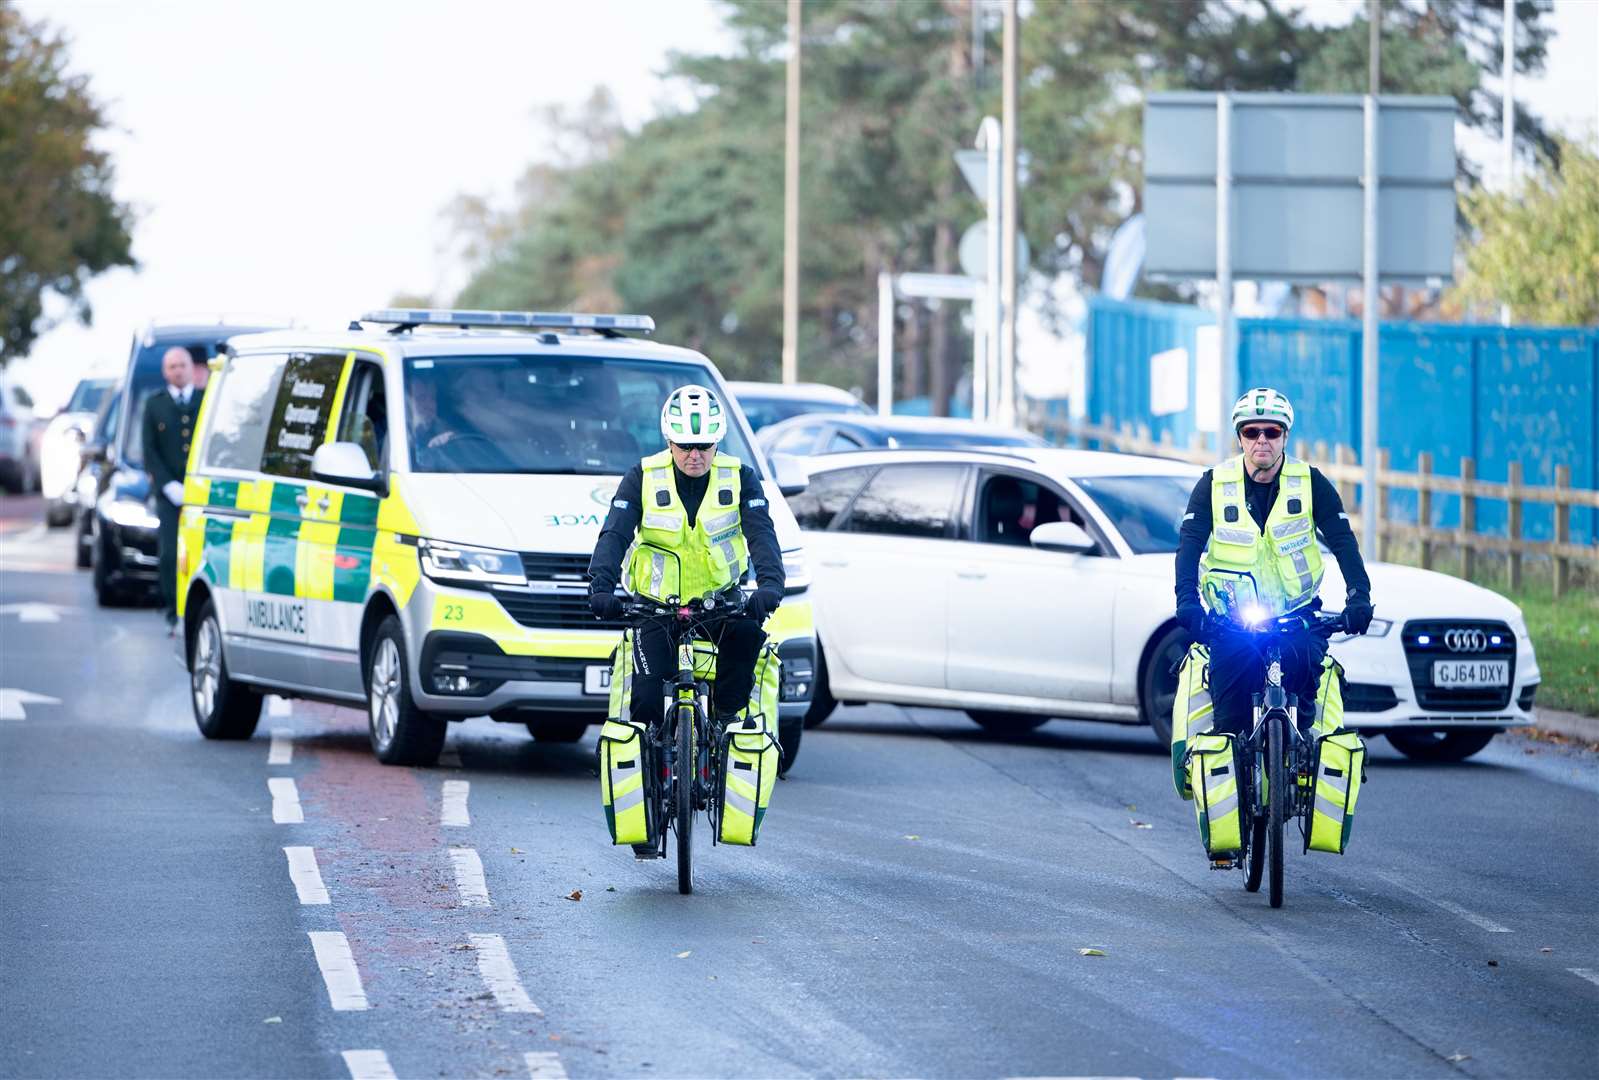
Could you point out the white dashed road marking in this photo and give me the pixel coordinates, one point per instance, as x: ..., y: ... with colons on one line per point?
x: 279, y: 706
x: 305, y: 875
x: 368, y: 1065
x: 469, y: 881
x: 339, y: 972
x: 544, y: 1065
x: 282, y: 749
x: 285, y: 801
x: 1452, y: 907
x: 454, y: 812
x: 1586, y: 973
x: 494, y: 964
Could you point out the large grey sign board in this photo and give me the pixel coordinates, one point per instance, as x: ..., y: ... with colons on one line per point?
x: 1297, y: 161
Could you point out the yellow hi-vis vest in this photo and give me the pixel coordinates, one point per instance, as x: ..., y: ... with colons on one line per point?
x: 710, y: 554
x: 1284, y: 561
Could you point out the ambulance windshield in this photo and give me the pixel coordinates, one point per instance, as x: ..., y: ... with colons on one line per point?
x: 542, y: 414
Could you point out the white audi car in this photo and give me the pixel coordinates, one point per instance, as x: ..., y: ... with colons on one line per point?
x: 1024, y: 584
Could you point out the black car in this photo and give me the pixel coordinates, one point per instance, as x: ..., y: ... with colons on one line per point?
x: 123, y: 529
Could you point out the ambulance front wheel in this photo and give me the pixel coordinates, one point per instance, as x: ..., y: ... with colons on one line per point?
x: 401, y: 733
x: 223, y: 708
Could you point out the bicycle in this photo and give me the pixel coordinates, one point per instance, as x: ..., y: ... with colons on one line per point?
x: 681, y: 769
x: 1275, y: 761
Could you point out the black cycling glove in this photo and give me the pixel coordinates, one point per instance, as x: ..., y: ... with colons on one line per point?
x: 605, y: 605
x: 1191, y: 617
x: 1357, y: 614
x: 762, y: 602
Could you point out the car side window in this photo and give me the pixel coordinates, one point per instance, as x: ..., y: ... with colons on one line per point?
x: 907, y: 500
x: 300, y: 413
x: 366, y: 415
x: 827, y: 494
x: 21, y: 397
x: 797, y: 441
x: 841, y: 443
x: 1010, y: 507
x: 240, y: 412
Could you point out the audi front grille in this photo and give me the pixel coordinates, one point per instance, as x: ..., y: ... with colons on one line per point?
x: 1458, y: 639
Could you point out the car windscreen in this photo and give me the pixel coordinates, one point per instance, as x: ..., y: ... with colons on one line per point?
x: 761, y: 412
x: 542, y: 413
x: 904, y: 440
x: 1147, y: 510
x: 88, y: 396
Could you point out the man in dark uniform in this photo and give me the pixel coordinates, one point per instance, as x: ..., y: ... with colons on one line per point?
x: 169, y: 421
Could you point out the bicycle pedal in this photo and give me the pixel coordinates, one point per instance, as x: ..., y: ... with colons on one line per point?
x: 1224, y: 862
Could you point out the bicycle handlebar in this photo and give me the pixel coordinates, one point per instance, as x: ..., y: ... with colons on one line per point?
x: 1318, y: 623
x: 730, y: 601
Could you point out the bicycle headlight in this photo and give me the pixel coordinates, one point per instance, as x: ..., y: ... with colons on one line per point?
x: 461, y: 564
x: 1252, y: 614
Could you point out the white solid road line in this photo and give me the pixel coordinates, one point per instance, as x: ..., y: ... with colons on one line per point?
x: 281, y: 751
x: 1586, y: 973
x: 494, y: 964
x: 368, y: 1065
x: 339, y: 972
x: 469, y: 881
x: 305, y: 875
x: 454, y: 812
x: 1452, y: 907
x: 279, y: 706
x: 544, y: 1065
x: 285, y: 801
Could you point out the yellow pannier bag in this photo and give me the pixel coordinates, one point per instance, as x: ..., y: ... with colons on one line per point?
x: 1340, y: 770
x: 1329, y: 698
x: 1191, y: 713
x: 747, y: 770
x: 621, y: 757
x: 1213, y: 777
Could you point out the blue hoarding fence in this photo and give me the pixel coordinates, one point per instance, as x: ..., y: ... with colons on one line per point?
x: 1491, y: 394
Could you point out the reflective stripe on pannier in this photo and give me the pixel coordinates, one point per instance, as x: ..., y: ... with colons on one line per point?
x: 1340, y: 770
x: 1329, y: 697
x: 1191, y: 712
x: 622, y: 760
x: 749, y: 758
x: 1213, y: 777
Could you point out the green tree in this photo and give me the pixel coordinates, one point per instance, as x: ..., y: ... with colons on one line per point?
x: 1537, y: 248
x: 59, y: 225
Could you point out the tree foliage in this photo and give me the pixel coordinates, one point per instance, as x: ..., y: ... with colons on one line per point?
x: 59, y: 224
x: 682, y: 218
x: 1537, y: 248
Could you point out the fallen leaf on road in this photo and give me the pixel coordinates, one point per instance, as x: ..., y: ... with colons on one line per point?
x: 575, y: 894
x: 910, y: 836
x: 684, y: 954
x: 517, y: 851
x: 610, y: 888
x: 273, y: 1020
x: 758, y: 941
x: 1546, y: 949
x: 1141, y: 824
x: 1090, y: 952
x: 1132, y: 806
x: 1457, y: 1058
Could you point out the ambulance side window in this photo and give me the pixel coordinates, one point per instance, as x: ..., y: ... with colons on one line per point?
x: 366, y: 416
x: 300, y: 414
x: 241, y: 411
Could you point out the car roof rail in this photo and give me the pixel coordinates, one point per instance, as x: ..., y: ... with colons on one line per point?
x: 611, y: 326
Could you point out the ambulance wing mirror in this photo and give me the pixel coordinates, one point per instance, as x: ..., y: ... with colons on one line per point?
x: 1063, y: 536
x: 790, y: 475
x: 345, y: 464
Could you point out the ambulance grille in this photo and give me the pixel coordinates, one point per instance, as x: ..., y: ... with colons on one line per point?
x: 565, y: 610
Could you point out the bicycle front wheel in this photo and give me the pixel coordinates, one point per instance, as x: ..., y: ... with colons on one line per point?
x: 1255, y: 816
x: 1277, y: 804
x: 683, y: 822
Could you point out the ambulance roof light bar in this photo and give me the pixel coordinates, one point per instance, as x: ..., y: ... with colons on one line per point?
x: 404, y: 319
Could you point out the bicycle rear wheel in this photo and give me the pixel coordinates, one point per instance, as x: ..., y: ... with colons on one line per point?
x: 1255, y: 867
x: 683, y: 823
x: 1276, y: 747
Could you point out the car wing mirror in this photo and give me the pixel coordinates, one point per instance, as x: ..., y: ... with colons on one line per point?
x: 1063, y: 536
x: 790, y: 475
x: 345, y: 464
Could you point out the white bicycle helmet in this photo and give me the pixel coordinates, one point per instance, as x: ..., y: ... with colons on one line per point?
x: 1263, y: 403
x: 693, y: 417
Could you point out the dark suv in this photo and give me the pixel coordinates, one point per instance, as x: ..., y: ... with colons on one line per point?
x: 122, y: 523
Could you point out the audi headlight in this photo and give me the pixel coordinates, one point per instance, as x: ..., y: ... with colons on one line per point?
x: 131, y: 514
x: 796, y: 573
x: 472, y: 565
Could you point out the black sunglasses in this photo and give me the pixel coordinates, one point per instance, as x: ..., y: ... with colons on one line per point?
x: 704, y: 449
x: 1250, y: 434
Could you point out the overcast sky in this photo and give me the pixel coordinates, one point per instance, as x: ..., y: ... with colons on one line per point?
x: 293, y: 156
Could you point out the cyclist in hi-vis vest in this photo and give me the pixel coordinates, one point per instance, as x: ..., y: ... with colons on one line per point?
x: 708, y: 511
x: 1248, y: 550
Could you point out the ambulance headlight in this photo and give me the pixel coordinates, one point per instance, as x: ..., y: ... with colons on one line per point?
x: 460, y: 564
